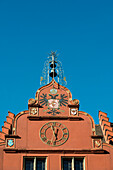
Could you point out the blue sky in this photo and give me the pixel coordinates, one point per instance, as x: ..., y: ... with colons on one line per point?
x: 81, y: 31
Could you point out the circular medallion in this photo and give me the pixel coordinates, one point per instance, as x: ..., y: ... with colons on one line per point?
x: 53, y: 91
x: 54, y: 133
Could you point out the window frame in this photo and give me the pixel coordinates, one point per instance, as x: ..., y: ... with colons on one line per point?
x: 73, y: 157
x: 34, y: 157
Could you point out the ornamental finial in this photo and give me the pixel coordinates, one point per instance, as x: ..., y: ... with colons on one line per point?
x: 53, y: 70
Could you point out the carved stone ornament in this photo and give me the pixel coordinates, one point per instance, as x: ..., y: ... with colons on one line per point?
x: 76, y: 101
x: 31, y: 101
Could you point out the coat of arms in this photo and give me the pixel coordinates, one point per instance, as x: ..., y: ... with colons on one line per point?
x: 53, y: 103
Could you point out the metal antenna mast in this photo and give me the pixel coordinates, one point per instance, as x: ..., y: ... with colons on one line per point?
x: 53, y: 70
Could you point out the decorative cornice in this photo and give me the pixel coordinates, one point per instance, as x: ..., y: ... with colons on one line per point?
x: 97, y: 136
x: 106, y: 127
x: 73, y: 105
x: 61, y: 151
x: 12, y: 136
x: 38, y: 118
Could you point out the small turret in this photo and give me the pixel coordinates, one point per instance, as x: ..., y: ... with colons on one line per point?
x: 53, y: 70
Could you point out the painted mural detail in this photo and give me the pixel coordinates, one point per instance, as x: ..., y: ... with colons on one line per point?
x: 97, y: 143
x: 10, y: 142
x: 73, y: 111
x: 53, y: 102
x: 33, y: 111
x: 54, y: 133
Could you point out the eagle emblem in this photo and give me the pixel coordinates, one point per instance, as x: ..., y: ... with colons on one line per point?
x: 53, y: 103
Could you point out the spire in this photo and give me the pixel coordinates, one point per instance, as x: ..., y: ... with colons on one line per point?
x: 53, y: 70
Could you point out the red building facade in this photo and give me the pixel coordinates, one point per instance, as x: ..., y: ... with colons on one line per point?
x: 53, y: 134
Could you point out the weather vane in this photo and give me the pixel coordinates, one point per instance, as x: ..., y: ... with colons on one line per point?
x: 53, y: 70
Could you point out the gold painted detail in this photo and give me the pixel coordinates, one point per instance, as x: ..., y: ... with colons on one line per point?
x: 36, y: 98
x: 38, y: 91
x: 93, y: 129
x: 64, y: 78
x: 31, y: 101
x: 41, y: 78
x: 76, y: 101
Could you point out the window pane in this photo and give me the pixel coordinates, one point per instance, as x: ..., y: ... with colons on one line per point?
x: 29, y: 164
x: 40, y: 164
x: 78, y: 164
x: 67, y: 164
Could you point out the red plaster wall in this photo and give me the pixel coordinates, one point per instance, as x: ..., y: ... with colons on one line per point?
x: 12, y: 161
x: 1, y: 157
x: 97, y: 162
x: 79, y: 133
